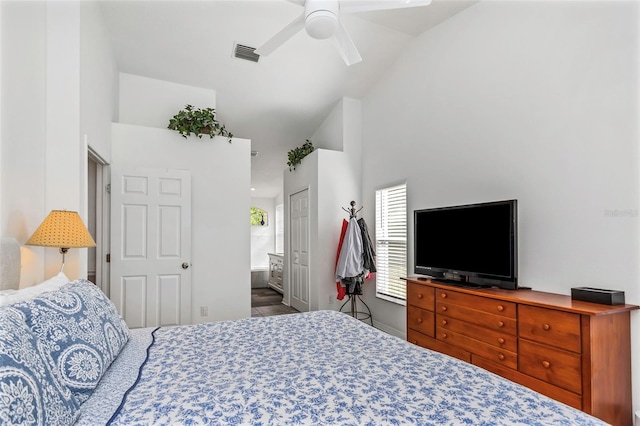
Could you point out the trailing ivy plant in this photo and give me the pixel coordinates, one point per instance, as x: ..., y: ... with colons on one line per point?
x: 199, y: 122
x: 297, y: 154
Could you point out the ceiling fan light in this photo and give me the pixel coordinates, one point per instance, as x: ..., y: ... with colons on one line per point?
x: 321, y: 24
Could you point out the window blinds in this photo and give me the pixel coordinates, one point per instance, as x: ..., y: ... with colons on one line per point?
x: 391, y: 242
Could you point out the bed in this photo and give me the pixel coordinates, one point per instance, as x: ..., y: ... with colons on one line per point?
x: 67, y: 357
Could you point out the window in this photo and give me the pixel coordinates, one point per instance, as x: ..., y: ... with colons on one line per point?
x: 391, y: 243
x: 280, y: 228
x: 258, y: 217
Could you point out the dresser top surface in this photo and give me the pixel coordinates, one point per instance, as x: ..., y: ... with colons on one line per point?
x: 533, y: 298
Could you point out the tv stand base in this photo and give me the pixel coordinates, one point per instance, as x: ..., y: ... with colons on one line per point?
x: 461, y: 284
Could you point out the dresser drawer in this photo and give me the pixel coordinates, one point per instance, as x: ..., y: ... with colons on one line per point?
x: 504, y: 357
x: 490, y: 321
x: 491, y: 306
x: 417, y: 338
x: 572, y: 399
x: 498, y: 339
x: 433, y: 344
x: 554, y: 328
x: 420, y: 295
x: 558, y: 367
x: 420, y: 320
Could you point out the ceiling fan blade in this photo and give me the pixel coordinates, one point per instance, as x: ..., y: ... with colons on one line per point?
x: 280, y: 38
x: 345, y: 46
x: 351, y: 6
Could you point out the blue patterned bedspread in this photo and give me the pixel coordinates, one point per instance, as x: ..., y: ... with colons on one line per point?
x: 320, y: 368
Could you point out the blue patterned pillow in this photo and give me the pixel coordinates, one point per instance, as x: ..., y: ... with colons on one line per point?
x: 79, y: 333
x: 29, y: 393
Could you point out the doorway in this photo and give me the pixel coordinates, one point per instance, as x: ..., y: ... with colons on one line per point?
x: 98, y: 222
x: 299, y: 250
x: 91, y: 219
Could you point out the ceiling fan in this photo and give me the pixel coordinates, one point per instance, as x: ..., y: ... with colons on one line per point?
x: 321, y: 20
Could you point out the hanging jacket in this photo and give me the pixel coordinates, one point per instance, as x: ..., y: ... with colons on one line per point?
x: 367, y: 248
x: 339, y: 287
x: 353, y: 285
x: 350, y: 263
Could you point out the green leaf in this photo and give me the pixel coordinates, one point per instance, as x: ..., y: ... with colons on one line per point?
x: 296, y: 155
x: 194, y: 120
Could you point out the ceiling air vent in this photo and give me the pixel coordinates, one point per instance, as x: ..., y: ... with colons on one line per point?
x: 246, y: 52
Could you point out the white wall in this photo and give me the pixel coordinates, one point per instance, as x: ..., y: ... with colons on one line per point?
x: 337, y: 187
x: 99, y: 80
x: 43, y: 153
x: 333, y: 179
x: 325, y: 173
x: 220, y: 187
x: 342, y: 131
x: 330, y: 134
x: 98, y: 109
x: 149, y: 102
x: 352, y: 136
x: 263, y: 238
x: 220, y: 179
x: 64, y: 163
x: 530, y: 100
x: 279, y: 199
x: 24, y: 73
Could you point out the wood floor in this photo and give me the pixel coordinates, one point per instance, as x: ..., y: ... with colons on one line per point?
x: 266, y: 302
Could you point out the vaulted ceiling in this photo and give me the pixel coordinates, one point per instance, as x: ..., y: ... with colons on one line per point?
x: 281, y: 100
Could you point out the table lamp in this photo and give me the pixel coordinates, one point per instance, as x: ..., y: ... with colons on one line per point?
x: 62, y: 229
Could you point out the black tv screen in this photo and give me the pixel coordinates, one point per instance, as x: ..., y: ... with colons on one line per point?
x: 475, y: 241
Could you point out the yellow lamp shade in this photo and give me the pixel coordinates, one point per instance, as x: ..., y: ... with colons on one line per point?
x: 62, y: 229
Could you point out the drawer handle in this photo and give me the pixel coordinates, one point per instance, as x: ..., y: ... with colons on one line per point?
x: 500, y: 308
x: 546, y: 327
x: 443, y: 295
x: 419, y: 320
x: 501, y: 340
x: 501, y: 357
x: 420, y: 296
x: 444, y: 335
x: 500, y: 323
x: 444, y: 308
x: 546, y: 364
x: 444, y: 322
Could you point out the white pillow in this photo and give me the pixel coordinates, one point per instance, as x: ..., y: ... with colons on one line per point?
x: 9, y: 297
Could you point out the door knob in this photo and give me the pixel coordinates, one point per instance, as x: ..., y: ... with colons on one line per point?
x: 185, y: 265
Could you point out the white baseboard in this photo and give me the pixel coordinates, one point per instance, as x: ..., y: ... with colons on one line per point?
x: 390, y: 330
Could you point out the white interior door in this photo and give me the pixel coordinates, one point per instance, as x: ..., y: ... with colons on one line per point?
x: 151, y: 246
x: 299, y: 247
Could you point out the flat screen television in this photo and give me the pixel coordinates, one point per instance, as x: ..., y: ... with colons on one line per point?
x: 473, y: 244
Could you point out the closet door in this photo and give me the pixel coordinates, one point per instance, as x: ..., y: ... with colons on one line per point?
x: 299, y: 250
x: 151, y: 246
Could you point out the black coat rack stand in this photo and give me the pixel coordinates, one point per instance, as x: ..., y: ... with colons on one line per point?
x: 361, y: 315
x: 353, y: 298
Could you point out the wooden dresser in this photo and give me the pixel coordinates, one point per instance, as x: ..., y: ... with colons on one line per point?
x: 575, y: 352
